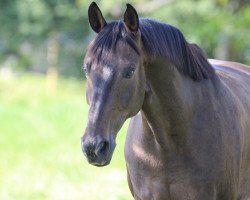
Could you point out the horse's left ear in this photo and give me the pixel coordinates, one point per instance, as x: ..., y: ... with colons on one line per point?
x: 131, y: 19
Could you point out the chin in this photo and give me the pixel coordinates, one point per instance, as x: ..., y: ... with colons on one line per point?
x: 100, y: 164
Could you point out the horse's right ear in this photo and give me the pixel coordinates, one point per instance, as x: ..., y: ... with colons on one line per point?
x: 96, y: 20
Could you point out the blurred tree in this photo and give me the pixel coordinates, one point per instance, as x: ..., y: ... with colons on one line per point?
x: 32, y: 23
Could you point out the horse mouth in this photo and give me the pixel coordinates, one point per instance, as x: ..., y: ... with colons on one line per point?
x: 99, y: 162
x: 98, y: 155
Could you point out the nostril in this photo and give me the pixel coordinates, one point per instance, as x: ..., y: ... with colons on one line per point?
x: 102, y: 148
x: 89, y: 150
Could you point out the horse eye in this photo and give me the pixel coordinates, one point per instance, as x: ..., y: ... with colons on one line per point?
x: 85, y: 68
x: 128, y: 73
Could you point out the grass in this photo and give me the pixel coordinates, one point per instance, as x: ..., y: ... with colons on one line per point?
x: 40, y: 149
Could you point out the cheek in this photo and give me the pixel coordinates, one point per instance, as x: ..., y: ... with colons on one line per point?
x: 88, y: 94
x: 126, y: 97
x: 87, y: 97
x: 129, y: 95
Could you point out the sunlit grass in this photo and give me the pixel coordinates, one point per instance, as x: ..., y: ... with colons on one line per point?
x: 40, y: 149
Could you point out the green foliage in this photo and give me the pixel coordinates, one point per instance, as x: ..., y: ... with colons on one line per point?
x: 40, y: 152
x: 34, y: 22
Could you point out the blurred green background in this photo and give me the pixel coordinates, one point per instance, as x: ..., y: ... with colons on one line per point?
x: 43, y: 110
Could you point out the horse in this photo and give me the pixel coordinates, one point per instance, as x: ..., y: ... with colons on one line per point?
x: 189, y: 134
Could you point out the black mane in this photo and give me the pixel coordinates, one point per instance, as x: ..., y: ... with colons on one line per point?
x: 159, y: 41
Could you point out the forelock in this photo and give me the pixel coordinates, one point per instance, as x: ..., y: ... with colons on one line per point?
x: 106, y: 41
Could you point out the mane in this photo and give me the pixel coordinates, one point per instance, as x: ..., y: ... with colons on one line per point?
x: 159, y: 40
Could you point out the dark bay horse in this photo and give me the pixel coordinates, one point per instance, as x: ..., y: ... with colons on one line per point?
x: 189, y: 135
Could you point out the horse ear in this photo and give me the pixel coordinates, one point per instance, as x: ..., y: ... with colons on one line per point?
x: 96, y: 20
x: 131, y: 19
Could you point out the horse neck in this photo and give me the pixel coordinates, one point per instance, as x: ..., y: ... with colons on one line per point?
x: 167, y: 104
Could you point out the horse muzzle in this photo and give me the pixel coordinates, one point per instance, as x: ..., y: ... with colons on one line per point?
x: 98, y: 153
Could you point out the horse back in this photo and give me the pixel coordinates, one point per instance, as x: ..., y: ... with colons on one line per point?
x: 236, y: 79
